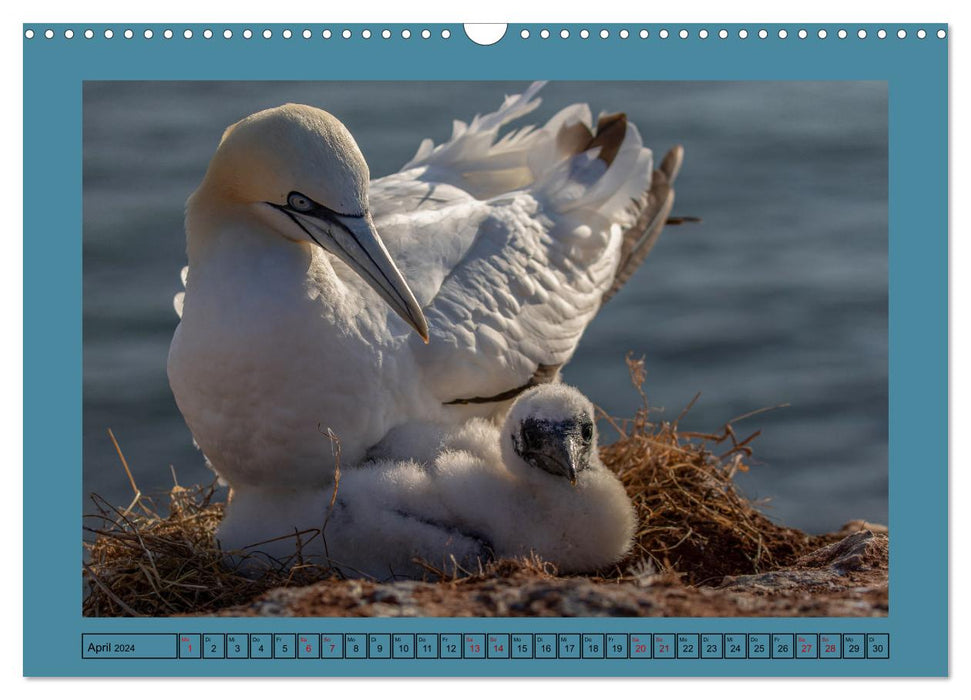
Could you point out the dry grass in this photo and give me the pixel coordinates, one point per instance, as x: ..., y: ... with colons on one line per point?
x: 693, y: 521
x: 694, y: 526
x: 141, y: 563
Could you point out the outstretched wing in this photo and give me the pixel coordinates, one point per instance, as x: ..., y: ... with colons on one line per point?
x: 511, y: 245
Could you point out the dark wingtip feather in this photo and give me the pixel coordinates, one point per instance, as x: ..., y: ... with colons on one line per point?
x: 671, y: 165
x: 611, y: 130
x: 576, y: 138
x: 655, y: 208
x: 573, y: 138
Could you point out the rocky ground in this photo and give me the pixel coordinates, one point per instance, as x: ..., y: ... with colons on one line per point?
x: 847, y: 577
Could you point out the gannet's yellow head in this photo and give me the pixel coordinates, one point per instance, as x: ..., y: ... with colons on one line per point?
x: 272, y: 154
x: 300, y: 172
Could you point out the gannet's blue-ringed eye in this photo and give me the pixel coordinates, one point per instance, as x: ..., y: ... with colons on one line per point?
x: 299, y: 202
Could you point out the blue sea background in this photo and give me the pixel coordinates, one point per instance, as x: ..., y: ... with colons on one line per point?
x: 778, y: 297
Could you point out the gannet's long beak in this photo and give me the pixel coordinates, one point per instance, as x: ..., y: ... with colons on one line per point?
x: 354, y: 240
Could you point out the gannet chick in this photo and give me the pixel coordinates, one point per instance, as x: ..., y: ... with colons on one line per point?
x: 535, y: 485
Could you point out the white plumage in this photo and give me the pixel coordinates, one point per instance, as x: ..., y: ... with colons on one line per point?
x: 296, y: 311
x: 473, y: 496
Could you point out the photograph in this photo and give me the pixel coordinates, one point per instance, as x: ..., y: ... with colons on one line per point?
x: 487, y: 349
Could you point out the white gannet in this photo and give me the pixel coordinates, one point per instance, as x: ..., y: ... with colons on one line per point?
x: 534, y: 485
x: 296, y: 316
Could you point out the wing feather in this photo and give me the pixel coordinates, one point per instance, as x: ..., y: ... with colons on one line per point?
x: 512, y: 245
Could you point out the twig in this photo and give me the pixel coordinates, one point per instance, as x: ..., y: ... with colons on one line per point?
x: 131, y: 479
x: 335, y: 449
x: 108, y: 592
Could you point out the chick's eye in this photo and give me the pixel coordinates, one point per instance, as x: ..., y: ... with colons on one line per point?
x: 299, y: 202
x: 586, y: 432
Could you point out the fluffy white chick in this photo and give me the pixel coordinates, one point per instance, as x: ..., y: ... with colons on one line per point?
x: 534, y: 485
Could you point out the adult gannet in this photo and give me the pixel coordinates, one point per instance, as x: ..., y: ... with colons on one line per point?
x: 470, y: 493
x: 297, y: 316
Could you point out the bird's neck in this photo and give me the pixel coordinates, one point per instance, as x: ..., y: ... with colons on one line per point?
x: 236, y: 261
x: 232, y: 252
x: 216, y: 228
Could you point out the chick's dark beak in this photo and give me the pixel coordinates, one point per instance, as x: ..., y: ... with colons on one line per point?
x: 557, y: 448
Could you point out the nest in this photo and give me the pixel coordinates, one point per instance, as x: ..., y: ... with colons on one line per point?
x: 141, y: 563
x: 693, y: 521
x: 694, y: 526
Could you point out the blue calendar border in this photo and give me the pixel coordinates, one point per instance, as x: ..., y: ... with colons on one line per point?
x: 916, y: 72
